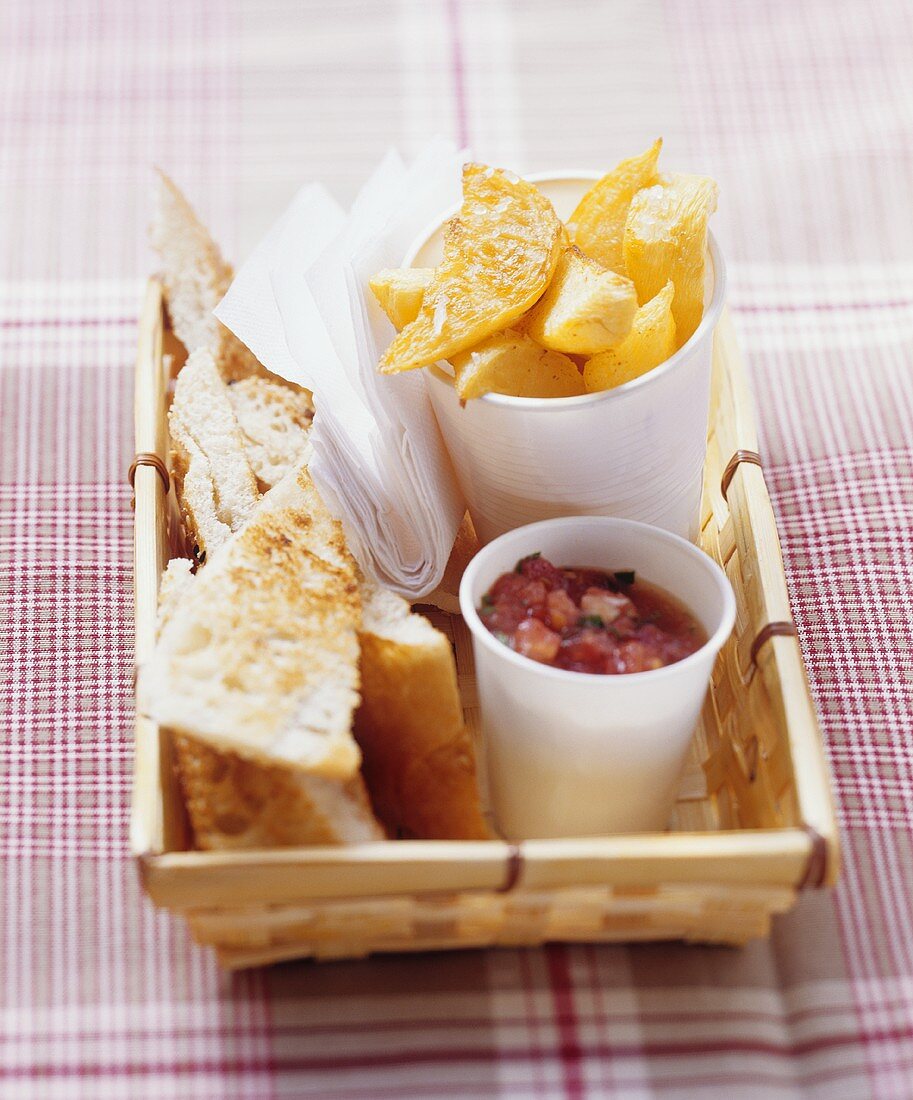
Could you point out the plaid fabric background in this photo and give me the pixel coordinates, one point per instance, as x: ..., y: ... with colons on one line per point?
x: 803, y: 109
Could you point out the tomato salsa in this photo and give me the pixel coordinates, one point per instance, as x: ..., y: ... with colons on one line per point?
x: 588, y: 620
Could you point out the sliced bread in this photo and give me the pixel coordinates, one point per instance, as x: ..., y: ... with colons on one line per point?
x: 419, y: 761
x: 274, y: 421
x: 195, y: 276
x: 260, y: 657
x: 215, y: 486
x: 235, y: 803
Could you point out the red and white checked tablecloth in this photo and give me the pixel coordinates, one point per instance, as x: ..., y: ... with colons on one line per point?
x: 803, y: 109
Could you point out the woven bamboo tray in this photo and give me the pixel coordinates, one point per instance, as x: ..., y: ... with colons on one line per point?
x: 753, y: 824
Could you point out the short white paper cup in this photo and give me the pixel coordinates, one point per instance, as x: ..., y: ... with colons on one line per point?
x: 579, y: 754
x: 636, y: 451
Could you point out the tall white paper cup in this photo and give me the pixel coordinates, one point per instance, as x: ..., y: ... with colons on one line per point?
x: 636, y: 451
x: 577, y: 754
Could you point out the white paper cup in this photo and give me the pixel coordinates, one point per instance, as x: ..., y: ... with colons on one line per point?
x: 579, y: 754
x: 636, y: 451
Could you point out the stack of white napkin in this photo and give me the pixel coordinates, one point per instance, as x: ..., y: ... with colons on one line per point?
x: 302, y: 304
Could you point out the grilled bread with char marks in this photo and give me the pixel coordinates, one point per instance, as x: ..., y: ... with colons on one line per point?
x: 260, y: 657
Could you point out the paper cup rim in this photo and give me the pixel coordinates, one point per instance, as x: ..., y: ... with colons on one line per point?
x: 483, y: 635
x: 542, y: 404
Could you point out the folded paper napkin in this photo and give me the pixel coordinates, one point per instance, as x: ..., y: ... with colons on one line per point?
x: 302, y: 304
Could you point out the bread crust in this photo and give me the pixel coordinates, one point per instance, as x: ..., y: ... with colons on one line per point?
x: 418, y: 757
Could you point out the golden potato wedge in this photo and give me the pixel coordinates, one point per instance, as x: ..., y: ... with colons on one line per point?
x: 650, y: 342
x: 666, y: 238
x: 585, y: 310
x: 400, y: 290
x: 597, y: 225
x: 514, y: 364
x: 499, y: 256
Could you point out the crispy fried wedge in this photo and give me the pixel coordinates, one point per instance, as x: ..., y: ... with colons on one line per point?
x: 585, y: 310
x: 597, y: 225
x: 499, y: 256
x: 666, y: 238
x: 400, y: 290
x: 514, y: 364
x: 650, y: 342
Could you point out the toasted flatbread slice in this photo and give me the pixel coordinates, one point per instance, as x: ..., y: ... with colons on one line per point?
x: 196, y: 276
x: 419, y: 762
x: 260, y: 657
x: 215, y: 485
x: 275, y: 420
x: 234, y: 803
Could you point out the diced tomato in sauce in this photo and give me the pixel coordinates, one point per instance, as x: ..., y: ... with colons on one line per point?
x: 588, y: 620
x: 534, y: 639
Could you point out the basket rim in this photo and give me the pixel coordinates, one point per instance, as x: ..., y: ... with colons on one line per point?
x: 230, y: 879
